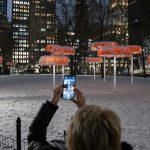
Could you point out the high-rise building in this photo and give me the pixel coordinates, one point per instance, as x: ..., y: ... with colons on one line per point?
x: 118, y: 28
x: 33, y: 28
x: 42, y: 27
x: 20, y: 20
x: 139, y: 23
x: 3, y: 7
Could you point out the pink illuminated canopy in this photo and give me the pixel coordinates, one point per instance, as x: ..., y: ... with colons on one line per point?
x: 118, y: 51
x: 93, y: 59
x: 52, y: 48
x: 94, y: 46
x: 53, y: 60
x: 110, y: 51
x: 67, y: 50
x: 136, y: 49
x: 148, y: 59
x: 1, y: 59
x: 60, y: 50
x: 11, y: 63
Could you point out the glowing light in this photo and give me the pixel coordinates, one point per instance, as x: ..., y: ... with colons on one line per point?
x: 148, y: 59
x: 53, y: 60
x: 94, y: 46
x: 93, y: 60
x: 1, y: 59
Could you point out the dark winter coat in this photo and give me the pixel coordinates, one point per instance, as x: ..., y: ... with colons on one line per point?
x: 38, y: 128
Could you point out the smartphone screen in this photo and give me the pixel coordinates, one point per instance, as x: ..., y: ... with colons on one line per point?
x: 69, y: 84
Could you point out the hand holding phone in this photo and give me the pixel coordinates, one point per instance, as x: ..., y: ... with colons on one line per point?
x: 57, y: 95
x: 80, y: 99
x: 68, y: 87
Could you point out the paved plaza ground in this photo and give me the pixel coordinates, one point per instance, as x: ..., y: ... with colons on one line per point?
x: 22, y: 95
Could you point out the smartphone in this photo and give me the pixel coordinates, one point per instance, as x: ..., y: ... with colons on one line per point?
x: 68, y: 87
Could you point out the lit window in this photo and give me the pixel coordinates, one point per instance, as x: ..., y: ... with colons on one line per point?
x: 43, y: 29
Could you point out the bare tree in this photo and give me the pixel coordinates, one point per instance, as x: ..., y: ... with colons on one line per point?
x: 64, y: 14
x: 139, y: 26
x: 6, y: 42
x: 99, y: 21
x: 99, y: 18
x: 87, y: 19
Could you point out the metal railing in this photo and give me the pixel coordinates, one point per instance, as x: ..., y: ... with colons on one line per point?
x: 7, y: 143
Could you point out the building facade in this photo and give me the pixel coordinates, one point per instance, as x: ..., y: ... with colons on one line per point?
x: 20, y: 23
x: 3, y: 7
x: 33, y: 28
x: 42, y: 27
x: 118, y: 22
x: 139, y: 22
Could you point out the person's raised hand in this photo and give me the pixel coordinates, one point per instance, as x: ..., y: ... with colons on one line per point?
x: 57, y: 95
x: 80, y: 101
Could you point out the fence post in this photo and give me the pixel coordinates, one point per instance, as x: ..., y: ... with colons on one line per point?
x: 18, y: 133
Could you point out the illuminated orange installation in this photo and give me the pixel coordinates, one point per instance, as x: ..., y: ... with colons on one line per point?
x: 60, y: 50
x: 67, y: 50
x: 11, y: 63
x: 52, y: 48
x: 54, y: 60
x: 104, y: 51
x: 96, y: 45
x: 148, y: 59
x: 93, y: 59
x: 136, y: 49
x: 112, y: 49
x: 118, y: 51
x: 1, y: 59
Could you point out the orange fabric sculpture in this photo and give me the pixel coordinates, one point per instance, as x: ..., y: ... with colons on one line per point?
x: 136, y: 49
x: 56, y: 49
x: 53, y: 48
x: 1, y: 59
x: 11, y: 63
x: 54, y: 60
x: 93, y: 59
x: 148, y: 59
x: 94, y: 46
x: 118, y: 51
x: 67, y: 50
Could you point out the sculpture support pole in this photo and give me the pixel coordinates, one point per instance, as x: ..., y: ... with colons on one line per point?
x: 85, y: 69
x: 63, y: 71
x: 114, y: 72
x: 104, y: 70
x: 53, y: 76
x: 132, y: 70
x: 10, y: 69
x: 94, y: 70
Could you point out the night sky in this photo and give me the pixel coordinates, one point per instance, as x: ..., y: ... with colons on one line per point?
x: 9, y: 9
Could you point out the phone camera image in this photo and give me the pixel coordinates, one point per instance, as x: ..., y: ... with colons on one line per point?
x: 69, y: 84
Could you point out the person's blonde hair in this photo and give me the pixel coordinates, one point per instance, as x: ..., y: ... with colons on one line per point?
x: 93, y: 128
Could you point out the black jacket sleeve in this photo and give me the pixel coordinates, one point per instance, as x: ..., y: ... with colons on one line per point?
x: 38, y: 127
